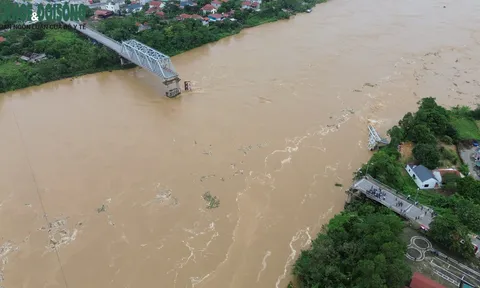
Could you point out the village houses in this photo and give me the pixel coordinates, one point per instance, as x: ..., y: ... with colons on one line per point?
x: 208, y: 8
x: 111, y: 6
x: 425, y: 178
x: 156, y: 4
x: 185, y: 3
x: 251, y: 5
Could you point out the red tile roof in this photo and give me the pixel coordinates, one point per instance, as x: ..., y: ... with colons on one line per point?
x: 103, y: 13
x: 195, y: 16
x: 448, y: 171
x: 155, y: 3
x: 208, y: 7
x: 184, y: 16
x: 420, y: 281
x: 2, y: 39
x: 246, y: 3
x: 160, y: 13
x: 255, y: 4
x: 219, y: 16
x: 151, y: 10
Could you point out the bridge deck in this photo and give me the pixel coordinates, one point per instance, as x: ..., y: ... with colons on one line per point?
x: 410, y: 211
x: 100, y: 38
x: 167, y: 73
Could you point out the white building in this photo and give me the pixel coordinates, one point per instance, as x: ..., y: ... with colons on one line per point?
x: 114, y: 7
x: 422, y: 176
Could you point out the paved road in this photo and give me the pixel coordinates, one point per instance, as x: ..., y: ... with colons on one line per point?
x: 407, y: 210
x: 100, y: 38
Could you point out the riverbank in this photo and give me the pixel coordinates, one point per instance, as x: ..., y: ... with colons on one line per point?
x: 269, y: 138
x: 70, y: 54
x: 419, y: 139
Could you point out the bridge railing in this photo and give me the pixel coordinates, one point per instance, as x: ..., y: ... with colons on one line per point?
x: 386, y: 187
x: 91, y: 30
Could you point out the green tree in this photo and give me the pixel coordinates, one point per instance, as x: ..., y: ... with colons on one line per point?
x: 397, y: 135
x: 448, y: 231
x: 427, y: 155
x: 476, y: 113
x: 356, y: 249
x: 407, y: 122
x: 469, y: 188
x: 434, y: 116
x: 420, y: 133
x: 449, y: 182
x: 384, y: 167
x: 36, y: 34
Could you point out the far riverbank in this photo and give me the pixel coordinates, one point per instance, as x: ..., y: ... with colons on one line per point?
x: 71, y: 54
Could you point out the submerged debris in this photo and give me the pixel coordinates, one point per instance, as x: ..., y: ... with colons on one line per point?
x: 103, y: 208
x: 212, y: 201
x: 59, y: 234
x: 248, y: 148
x: 206, y: 177
x: 163, y: 196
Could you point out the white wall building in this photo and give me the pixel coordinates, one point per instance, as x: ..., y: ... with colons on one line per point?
x: 422, y: 176
x: 114, y: 7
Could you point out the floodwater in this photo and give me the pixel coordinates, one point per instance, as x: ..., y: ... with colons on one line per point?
x: 102, y: 178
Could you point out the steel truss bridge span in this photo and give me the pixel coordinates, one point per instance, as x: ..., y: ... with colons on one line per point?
x: 137, y: 53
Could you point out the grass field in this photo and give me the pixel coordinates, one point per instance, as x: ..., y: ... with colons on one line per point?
x: 467, y: 128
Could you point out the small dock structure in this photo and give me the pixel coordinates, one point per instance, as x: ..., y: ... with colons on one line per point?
x: 374, y: 140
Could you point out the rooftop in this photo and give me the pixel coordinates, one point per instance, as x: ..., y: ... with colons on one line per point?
x: 208, y: 7
x: 103, y: 12
x: 422, y: 172
x: 155, y: 3
x: 421, y: 281
x: 134, y: 6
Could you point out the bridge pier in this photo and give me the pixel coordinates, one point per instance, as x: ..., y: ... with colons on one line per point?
x: 175, y: 91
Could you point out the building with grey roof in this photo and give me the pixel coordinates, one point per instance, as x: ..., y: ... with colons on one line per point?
x: 422, y: 176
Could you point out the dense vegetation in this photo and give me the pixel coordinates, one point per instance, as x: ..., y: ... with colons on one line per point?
x: 360, y: 247
x: 432, y: 129
x: 70, y: 54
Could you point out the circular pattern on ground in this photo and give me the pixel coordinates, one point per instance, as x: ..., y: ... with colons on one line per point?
x: 414, y: 252
x: 421, y: 243
x: 417, y: 248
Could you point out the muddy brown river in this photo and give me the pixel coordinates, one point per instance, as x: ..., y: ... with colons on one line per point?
x: 102, y: 178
